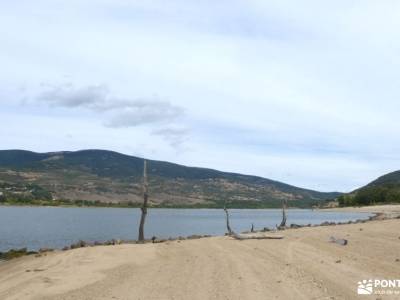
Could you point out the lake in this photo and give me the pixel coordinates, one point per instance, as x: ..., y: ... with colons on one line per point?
x: 56, y: 227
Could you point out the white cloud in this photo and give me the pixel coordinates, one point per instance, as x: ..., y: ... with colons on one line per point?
x: 261, y: 85
x: 124, y: 112
x: 175, y: 136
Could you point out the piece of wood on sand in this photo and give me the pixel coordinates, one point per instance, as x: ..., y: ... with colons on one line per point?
x: 242, y: 237
x: 342, y: 242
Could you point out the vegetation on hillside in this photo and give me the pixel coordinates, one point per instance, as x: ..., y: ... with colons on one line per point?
x: 372, y: 195
x: 384, y: 190
x: 104, y: 178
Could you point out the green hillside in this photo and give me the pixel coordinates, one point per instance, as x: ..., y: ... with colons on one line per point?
x: 104, y: 177
x: 384, y: 190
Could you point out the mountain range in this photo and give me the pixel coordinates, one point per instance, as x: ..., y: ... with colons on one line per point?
x: 109, y: 178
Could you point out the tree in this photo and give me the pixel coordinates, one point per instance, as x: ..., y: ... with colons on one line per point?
x: 228, y: 227
x: 144, y: 207
x: 283, y: 222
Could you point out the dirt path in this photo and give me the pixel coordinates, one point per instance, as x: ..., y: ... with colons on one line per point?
x: 303, y: 265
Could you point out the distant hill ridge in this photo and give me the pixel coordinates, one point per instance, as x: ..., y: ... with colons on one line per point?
x: 390, y: 178
x: 111, y: 177
x: 384, y: 190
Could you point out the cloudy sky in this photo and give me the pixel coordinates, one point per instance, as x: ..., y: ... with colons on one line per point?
x: 304, y: 92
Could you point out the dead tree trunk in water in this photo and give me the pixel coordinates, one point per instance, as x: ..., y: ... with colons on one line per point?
x: 283, y: 223
x: 144, y: 207
x: 228, y: 227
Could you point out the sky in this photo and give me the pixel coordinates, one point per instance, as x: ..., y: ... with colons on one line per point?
x: 303, y: 92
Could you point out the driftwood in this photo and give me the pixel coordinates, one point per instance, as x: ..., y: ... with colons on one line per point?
x: 283, y: 222
x: 242, y: 237
x: 144, y: 207
x: 342, y: 242
x: 228, y: 227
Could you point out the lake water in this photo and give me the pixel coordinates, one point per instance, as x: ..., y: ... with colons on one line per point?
x: 56, y: 227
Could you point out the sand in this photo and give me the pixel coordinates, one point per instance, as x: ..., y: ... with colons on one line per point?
x: 386, y: 209
x: 303, y: 265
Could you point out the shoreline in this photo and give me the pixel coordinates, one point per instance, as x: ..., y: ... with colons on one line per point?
x: 305, y: 264
x: 18, y: 252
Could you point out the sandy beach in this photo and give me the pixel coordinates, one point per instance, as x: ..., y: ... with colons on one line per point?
x: 303, y: 265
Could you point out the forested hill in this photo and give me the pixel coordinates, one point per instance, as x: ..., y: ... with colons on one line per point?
x: 385, y: 189
x: 99, y: 176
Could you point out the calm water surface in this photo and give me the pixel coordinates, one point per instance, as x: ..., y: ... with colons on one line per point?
x: 56, y: 227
